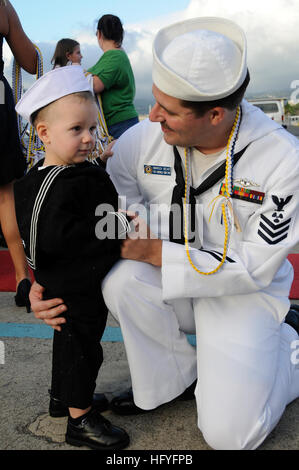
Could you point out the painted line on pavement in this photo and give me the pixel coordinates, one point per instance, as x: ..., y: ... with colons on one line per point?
x: 28, y: 330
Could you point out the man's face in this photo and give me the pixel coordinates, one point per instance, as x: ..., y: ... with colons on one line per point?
x: 179, y: 124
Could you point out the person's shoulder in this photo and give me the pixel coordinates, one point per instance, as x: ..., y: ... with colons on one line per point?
x: 32, y: 176
x: 117, y: 57
x: 23, y: 184
x: 143, y: 129
x: 288, y: 146
x: 268, y: 137
x: 115, y: 53
x: 257, y: 126
x: 144, y: 135
x: 107, y: 59
x: 94, y: 68
x: 85, y: 170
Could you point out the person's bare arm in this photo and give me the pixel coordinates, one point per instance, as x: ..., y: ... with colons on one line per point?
x: 98, y: 85
x: 46, y: 310
x: 21, y: 46
x: 4, y: 26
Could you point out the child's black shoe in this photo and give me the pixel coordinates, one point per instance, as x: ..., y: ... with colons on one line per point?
x: 96, y: 432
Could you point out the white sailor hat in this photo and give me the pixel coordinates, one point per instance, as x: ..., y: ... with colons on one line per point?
x: 201, y: 59
x: 52, y: 86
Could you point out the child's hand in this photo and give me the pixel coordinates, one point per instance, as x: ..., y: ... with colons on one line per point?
x: 107, y: 152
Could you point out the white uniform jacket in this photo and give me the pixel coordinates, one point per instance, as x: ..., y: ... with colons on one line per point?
x: 266, y: 180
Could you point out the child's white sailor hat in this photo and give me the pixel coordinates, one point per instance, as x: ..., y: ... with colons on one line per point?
x: 52, y: 86
x: 201, y: 59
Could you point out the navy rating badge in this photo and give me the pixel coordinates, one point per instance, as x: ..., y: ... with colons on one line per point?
x: 275, y: 229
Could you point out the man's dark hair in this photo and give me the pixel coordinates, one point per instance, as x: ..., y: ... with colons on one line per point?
x: 230, y: 102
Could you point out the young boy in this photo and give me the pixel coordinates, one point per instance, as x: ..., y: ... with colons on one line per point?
x: 56, y: 205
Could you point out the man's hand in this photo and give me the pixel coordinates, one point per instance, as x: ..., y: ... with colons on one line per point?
x: 148, y: 251
x: 46, y: 310
x: 142, y: 245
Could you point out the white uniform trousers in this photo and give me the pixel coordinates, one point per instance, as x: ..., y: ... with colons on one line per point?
x: 246, y: 362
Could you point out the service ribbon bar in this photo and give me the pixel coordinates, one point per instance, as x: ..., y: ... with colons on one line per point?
x: 245, y: 194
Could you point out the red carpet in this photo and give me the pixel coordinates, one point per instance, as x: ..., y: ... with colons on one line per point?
x: 294, y: 259
x: 7, y: 273
x: 8, y: 283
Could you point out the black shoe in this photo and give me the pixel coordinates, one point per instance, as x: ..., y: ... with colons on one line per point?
x: 57, y: 409
x: 292, y: 317
x: 124, y: 404
x: 96, y: 432
x: 188, y: 394
x: 22, y: 294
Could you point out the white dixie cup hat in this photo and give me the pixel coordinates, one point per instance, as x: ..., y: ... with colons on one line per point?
x: 201, y: 59
x: 52, y: 86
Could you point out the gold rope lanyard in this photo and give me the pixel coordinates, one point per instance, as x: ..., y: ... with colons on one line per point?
x: 102, y: 135
x: 32, y: 147
x: 226, y: 204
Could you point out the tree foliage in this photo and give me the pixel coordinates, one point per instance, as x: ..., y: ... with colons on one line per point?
x: 292, y: 110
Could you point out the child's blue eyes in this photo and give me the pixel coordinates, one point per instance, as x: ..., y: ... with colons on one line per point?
x: 78, y: 129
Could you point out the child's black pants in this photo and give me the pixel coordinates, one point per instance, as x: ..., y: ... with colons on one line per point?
x: 77, y: 352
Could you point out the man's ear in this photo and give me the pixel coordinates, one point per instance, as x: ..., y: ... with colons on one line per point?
x: 43, y: 132
x: 217, y: 115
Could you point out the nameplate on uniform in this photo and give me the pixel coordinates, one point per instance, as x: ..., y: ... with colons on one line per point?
x: 245, y: 194
x: 157, y: 170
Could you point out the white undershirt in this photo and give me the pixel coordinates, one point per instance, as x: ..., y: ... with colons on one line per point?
x: 201, y: 163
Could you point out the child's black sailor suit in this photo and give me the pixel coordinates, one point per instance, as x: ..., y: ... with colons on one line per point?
x: 56, y: 214
x: 243, y: 347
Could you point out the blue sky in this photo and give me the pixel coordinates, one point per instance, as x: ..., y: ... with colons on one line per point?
x: 271, y: 27
x: 47, y: 20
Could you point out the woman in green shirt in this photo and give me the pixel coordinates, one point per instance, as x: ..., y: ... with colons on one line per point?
x: 113, y: 77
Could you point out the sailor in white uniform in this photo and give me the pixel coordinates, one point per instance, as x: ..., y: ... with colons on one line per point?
x: 217, y: 183
x: 243, y: 358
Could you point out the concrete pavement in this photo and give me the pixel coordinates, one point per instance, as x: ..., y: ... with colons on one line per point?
x: 25, y: 364
x: 25, y: 378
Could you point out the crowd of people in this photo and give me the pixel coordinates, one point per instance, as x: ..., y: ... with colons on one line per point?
x: 211, y: 190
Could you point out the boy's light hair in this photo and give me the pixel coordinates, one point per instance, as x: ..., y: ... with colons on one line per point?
x: 41, y: 114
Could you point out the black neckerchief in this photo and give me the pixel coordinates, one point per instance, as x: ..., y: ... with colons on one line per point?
x: 179, y: 193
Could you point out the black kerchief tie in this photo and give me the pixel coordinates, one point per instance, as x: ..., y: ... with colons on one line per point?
x: 176, y: 216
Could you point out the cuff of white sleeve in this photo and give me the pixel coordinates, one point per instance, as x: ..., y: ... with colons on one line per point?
x: 173, y: 269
